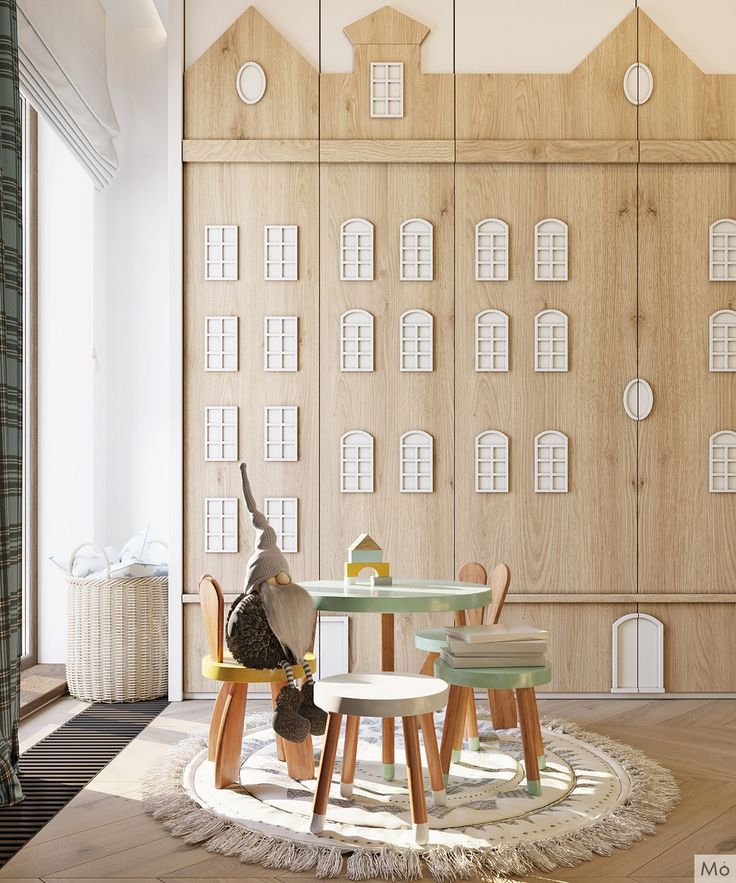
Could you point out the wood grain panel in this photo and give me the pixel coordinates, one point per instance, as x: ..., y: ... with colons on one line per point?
x: 288, y: 108
x: 262, y: 150
x: 583, y: 541
x: 416, y: 530
x: 686, y: 104
x: 587, y: 103
x: 387, y: 151
x: 345, y: 100
x: 687, y: 536
x: 529, y: 151
x: 697, y: 646
x: 687, y: 151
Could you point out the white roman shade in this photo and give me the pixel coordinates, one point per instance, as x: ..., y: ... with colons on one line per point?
x: 63, y: 73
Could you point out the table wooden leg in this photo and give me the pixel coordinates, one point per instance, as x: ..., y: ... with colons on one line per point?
x: 215, y: 720
x: 526, y: 702
x: 503, y: 709
x: 387, y: 726
x: 349, y: 754
x: 230, y: 736
x: 416, y: 780
x: 471, y: 722
x: 429, y: 737
x: 326, y: 768
x: 541, y: 758
x: 453, y: 722
x: 457, y: 742
x: 428, y: 664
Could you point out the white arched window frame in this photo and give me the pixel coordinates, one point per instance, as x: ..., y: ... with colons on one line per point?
x: 492, y: 341
x: 356, y: 462
x: 637, y: 654
x: 492, y: 250
x: 417, y: 341
x: 550, y: 341
x: 722, y: 250
x: 492, y: 462
x: 550, y: 462
x: 417, y: 462
x: 722, y: 336
x: 356, y: 250
x: 723, y: 462
x: 356, y: 341
x: 416, y: 251
x: 550, y: 250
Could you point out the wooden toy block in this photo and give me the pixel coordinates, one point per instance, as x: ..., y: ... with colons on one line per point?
x: 364, y: 557
x: 364, y: 543
x: 352, y: 569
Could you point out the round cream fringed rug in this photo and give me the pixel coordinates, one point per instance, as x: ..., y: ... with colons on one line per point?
x: 596, y: 795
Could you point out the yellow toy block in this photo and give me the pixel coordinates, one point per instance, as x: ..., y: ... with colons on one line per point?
x: 381, y: 568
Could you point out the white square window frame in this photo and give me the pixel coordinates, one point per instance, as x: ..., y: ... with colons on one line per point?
x: 274, y: 508
x: 275, y: 416
x: 220, y: 513
x: 220, y: 433
x: 387, y: 77
x: 288, y: 269
x: 281, y: 354
x: 223, y: 231
x: 227, y: 343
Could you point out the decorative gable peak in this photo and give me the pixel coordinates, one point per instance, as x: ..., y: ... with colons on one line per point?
x: 386, y: 26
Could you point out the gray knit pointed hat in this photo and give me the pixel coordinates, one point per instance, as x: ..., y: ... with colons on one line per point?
x: 267, y: 559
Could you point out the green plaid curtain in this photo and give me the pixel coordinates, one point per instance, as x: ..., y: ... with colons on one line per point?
x: 11, y: 403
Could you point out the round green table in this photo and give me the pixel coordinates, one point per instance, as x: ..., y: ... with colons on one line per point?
x: 402, y: 596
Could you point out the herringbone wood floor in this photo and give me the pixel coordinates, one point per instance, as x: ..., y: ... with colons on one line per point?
x: 104, y: 834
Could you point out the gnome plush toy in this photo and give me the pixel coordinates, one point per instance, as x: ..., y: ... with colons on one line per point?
x: 270, y: 625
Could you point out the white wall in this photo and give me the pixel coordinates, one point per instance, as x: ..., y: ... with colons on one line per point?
x: 65, y: 376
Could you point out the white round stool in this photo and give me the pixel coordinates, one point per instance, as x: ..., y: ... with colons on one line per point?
x: 413, y: 698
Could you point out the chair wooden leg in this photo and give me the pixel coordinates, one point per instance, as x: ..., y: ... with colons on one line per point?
x: 453, y: 723
x: 275, y: 689
x: 230, y: 736
x: 503, y: 709
x: 349, y: 755
x: 437, y: 780
x: 215, y: 720
x: 416, y: 780
x: 428, y: 664
x: 326, y: 768
x: 471, y: 723
x: 527, y: 702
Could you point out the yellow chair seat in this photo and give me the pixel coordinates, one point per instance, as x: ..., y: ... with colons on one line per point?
x: 231, y: 671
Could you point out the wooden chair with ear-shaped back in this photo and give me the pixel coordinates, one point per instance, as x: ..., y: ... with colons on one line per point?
x: 228, y: 716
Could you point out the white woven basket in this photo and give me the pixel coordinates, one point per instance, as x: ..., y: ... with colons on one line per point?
x: 117, y: 636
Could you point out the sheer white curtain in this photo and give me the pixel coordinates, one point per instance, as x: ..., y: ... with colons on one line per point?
x: 63, y: 74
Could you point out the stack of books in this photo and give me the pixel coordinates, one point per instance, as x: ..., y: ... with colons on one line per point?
x: 494, y: 646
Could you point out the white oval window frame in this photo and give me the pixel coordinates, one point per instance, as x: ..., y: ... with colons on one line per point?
x: 261, y: 74
x: 646, y: 401
x: 644, y: 73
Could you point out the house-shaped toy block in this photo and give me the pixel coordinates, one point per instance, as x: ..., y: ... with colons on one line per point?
x: 365, y: 555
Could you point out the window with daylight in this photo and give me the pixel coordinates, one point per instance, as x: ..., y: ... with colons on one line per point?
x: 387, y: 89
x: 550, y: 250
x: 723, y: 341
x: 492, y: 462
x: 356, y: 341
x: 416, y: 462
x: 281, y: 432
x: 221, y: 343
x: 723, y: 462
x: 356, y: 250
x: 280, y: 252
x: 550, y: 341
x: 221, y: 524
x: 723, y: 250
x: 550, y: 462
x: 492, y: 250
x: 416, y: 341
x: 220, y: 252
x: 221, y: 433
x: 416, y: 249
x: 356, y: 462
x: 282, y: 514
x: 492, y: 341
x: 280, y: 343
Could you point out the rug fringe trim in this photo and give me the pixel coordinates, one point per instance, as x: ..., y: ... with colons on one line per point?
x: 653, y: 795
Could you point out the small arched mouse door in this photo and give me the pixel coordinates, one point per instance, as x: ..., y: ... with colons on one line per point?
x: 637, y: 654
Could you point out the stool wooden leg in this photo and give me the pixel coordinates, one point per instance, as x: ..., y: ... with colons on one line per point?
x: 275, y: 689
x: 437, y: 780
x: 428, y: 664
x: 326, y: 767
x: 503, y: 709
x: 349, y: 754
x: 457, y: 742
x: 299, y: 756
x: 526, y: 702
x: 541, y: 759
x: 416, y: 780
x: 471, y: 723
x: 387, y: 725
x: 230, y: 736
x: 215, y: 720
x: 453, y: 723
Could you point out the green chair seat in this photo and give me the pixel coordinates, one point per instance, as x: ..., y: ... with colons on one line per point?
x: 431, y: 640
x: 515, y: 678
